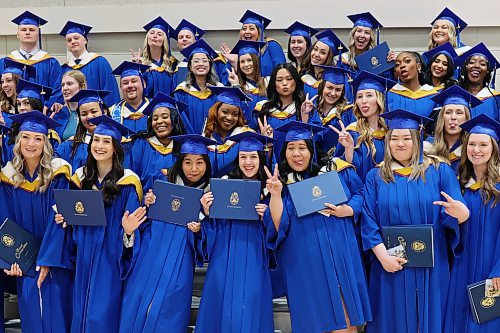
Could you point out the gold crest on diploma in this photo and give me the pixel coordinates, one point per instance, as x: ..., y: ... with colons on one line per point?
x: 316, y: 191
x: 418, y: 246
x: 374, y: 61
x: 79, y: 208
x: 234, y: 199
x: 176, y: 205
x: 8, y: 240
x: 487, y: 302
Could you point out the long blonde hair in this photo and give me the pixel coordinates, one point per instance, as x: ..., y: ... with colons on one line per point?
x: 166, y: 59
x: 452, y: 35
x: 45, y: 172
x: 363, y: 128
x: 440, y: 147
x: 352, y: 48
x: 492, y: 176
x: 418, y: 169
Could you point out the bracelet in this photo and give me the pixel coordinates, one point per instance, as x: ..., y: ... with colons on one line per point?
x: 128, y: 241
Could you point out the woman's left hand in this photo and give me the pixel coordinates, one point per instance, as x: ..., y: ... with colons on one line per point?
x: 44, y: 271
x: 391, y: 56
x: 260, y: 208
x: 194, y: 226
x: 265, y: 128
x: 454, y: 208
x: 496, y: 283
x: 339, y: 211
x: 130, y: 222
x: 307, y: 105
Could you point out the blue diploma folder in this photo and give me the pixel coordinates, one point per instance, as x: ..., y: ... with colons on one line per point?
x: 234, y: 199
x: 375, y: 60
x: 18, y: 246
x: 175, y: 204
x: 483, y: 308
x: 81, y: 207
x: 415, y: 243
x: 310, y: 195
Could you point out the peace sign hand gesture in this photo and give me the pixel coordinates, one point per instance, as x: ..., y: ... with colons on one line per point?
x: 265, y: 128
x: 345, y: 138
x: 454, y: 208
x: 273, y: 183
x: 136, y: 57
x: 307, y: 105
x: 232, y: 77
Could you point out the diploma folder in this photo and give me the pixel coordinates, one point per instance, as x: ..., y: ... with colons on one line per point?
x: 483, y: 308
x: 414, y: 243
x: 17, y: 245
x: 375, y: 60
x: 81, y: 207
x: 175, y: 204
x: 310, y: 195
x: 234, y: 199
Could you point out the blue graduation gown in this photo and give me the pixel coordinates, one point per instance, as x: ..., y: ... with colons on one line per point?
x: 453, y: 157
x: 102, y: 261
x: 98, y: 73
x: 322, y: 263
x: 126, y: 115
x: 481, y: 260
x: 237, y: 295
x: 418, y: 102
x: 271, y: 56
x: 227, y: 151
x: 48, y: 73
x: 158, y: 79
x: 47, y: 309
x: 328, y: 139
x: 311, y: 85
x: 199, y: 102
x: 252, y: 90
x: 147, y: 156
x: 79, y: 158
x: 490, y: 106
x: 158, y: 293
x: 413, y: 299
x: 219, y: 66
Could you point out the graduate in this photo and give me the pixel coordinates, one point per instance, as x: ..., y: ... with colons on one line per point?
x: 362, y: 143
x: 152, y: 150
x: 72, y: 82
x: 446, y: 28
x: 89, y: 104
x: 324, y: 51
x: 449, y: 136
x: 480, y: 180
x: 96, y: 68
x: 410, y: 188
x: 478, y: 67
x: 159, y: 289
x: 225, y: 118
x: 237, y: 294
x: 12, y: 72
x: 156, y: 53
x: 187, y: 34
x: 48, y: 70
x: 440, y: 66
x: 299, y: 43
x: 129, y: 110
x: 320, y: 255
x: 253, y: 28
x: 248, y: 77
x: 44, y: 298
x: 104, y: 254
x: 411, y: 93
x: 332, y: 105
x: 195, y: 91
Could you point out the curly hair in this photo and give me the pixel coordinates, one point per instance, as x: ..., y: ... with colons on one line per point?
x: 212, y: 124
x: 147, y: 59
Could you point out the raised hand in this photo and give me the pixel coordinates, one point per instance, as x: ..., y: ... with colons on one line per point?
x: 232, y: 77
x: 307, y: 106
x: 55, y: 108
x: 273, y: 183
x: 454, y: 208
x: 226, y: 53
x: 136, y: 57
x: 130, y: 222
x: 391, y: 56
x: 345, y: 138
x: 149, y: 198
x: 265, y: 128
x: 206, y: 201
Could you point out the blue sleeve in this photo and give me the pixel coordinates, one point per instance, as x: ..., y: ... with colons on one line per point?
x: 220, y: 69
x: 355, y: 185
x: 108, y: 81
x: 276, y: 53
x: 370, y: 228
x: 55, y: 83
x: 274, y: 238
x: 128, y: 256
x: 495, y: 271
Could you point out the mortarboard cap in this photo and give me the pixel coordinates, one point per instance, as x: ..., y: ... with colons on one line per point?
x: 73, y: 27
x: 193, y: 143
x: 230, y: 95
x: 300, y: 29
x: 335, y: 75
x: 296, y: 131
x: 332, y: 40
x: 457, y: 96
x: 366, y: 80
x: 108, y: 126
x: 14, y: 67
x: 163, y: 100
x: 186, y: 25
x: 442, y: 49
x: 34, y: 121
x: 247, y: 47
x: 27, y: 89
x: 128, y: 68
x: 88, y: 96
x: 199, y: 46
x: 483, y: 124
x: 250, y: 141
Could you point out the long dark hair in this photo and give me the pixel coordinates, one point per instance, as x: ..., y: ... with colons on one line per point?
x: 236, y: 173
x: 176, y: 170
x: 312, y: 170
x: 448, y: 79
x: 81, y: 130
x: 273, y: 97
x: 110, y: 190
x: 36, y: 105
x: 419, y: 60
x: 211, y: 77
x: 307, y: 54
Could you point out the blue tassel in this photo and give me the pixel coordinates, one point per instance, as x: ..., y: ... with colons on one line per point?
x: 378, y: 36
x: 40, y: 37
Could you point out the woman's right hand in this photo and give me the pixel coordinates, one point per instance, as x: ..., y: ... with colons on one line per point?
x: 136, y: 57
x: 232, y: 77
x: 392, y: 264
x: 226, y: 53
x: 149, y: 198
x: 60, y: 219
x: 345, y: 138
x: 206, y: 201
x: 273, y: 183
x: 14, y: 270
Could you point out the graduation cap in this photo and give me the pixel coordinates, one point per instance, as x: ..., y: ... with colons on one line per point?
x: 4, y: 129
x: 108, y: 126
x: 72, y: 27
x: 247, y: 47
x: 128, y: 68
x: 160, y: 23
x: 18, y: 68
x: 163, y: 100
x: 34, y: 121
x: 199, y: 46
x: 481, y: 50
x: 446, y: 49
x: 230, y: 95
x: 28, y: 18
x: 27, y: 89
x: 366, y: 80
x: 251, y: 141
x: 186, y: 25
x: 300, y: 29
x: 335, y: 75
x: 366, y: 20
x: 454, y: 19
x: 457, y: 96
x: 253, y: 18
x: 89, y: 96
x: 483, y: 124
x: 332, y: 40
x: 193, y: 143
